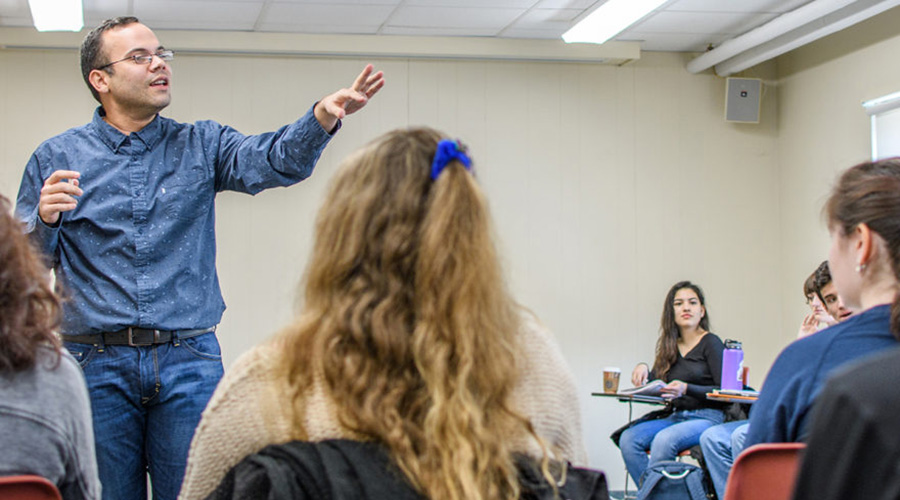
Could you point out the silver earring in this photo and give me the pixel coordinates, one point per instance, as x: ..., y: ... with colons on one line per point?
x: 860, y: 268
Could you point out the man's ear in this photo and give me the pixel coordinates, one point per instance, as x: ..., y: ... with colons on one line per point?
x: 99, y: 80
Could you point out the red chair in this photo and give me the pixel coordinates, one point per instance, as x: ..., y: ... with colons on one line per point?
x: 28, y: 488
x: 766, y: 471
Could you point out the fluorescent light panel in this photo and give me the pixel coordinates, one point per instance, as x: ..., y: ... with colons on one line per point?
x: 57, y: 15
x: 609, y: 20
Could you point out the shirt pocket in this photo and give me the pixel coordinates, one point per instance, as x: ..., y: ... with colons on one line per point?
x: 187, y: 198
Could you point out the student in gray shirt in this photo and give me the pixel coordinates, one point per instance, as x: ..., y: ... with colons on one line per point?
x: 45, y: 413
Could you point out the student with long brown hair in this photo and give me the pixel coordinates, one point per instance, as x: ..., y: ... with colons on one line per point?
x: 853, y: 446
x: 408, y: 338
x: 689, y: 360
x: 45, y: 413
x: 863, y: 214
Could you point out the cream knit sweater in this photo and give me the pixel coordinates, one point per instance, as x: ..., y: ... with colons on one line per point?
x: 251, y: 409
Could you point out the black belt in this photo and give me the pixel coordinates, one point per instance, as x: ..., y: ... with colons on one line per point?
x: 136, y: 336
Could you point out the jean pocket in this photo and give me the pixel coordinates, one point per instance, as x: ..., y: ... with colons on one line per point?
x: 83, y: 353
x: 204, y: 346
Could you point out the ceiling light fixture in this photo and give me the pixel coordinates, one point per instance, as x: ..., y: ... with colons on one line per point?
x: 609, y: 20
x: 57, y: 15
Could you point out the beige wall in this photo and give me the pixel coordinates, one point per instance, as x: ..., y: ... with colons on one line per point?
x: 824, y: 130
x: 608, y: 184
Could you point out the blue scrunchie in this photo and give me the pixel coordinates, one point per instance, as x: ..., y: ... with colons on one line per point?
x: 447, y: 151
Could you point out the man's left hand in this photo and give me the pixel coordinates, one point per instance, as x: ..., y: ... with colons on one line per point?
x: 344, y: 102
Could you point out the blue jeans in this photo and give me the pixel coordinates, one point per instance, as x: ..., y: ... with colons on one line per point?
x: 146, y: 402
x: 665, y: 438
x: 721, y: 444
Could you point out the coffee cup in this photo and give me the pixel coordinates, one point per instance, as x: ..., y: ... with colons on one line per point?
x: 611, y: 380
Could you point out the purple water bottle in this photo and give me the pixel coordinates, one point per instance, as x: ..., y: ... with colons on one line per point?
x: 732, y: 366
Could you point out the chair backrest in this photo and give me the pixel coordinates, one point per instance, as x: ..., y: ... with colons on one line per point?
x: 764, y: 471
x: 27, y: 488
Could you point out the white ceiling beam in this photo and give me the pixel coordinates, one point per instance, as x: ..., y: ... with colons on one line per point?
x: 856, y: 12
x: 782, y: 24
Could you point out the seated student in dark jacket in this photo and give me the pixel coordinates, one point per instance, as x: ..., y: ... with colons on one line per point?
x: 853, y: 446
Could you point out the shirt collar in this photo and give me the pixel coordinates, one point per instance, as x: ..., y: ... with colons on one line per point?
x: 113, y: 138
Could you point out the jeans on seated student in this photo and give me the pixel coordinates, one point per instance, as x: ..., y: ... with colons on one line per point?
x: 721, y: 444
x: 665, y: 438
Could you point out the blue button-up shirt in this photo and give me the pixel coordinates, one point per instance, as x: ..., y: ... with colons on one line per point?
x: 140, y: 247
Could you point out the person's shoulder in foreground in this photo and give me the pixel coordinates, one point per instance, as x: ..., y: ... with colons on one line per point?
x: 861, y: 402
x: 799, y: 372
x: 45, y: 425
x: 248, y: 411
x: 547, y: 393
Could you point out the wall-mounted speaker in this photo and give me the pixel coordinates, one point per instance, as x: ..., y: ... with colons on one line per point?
x: 742, y: 97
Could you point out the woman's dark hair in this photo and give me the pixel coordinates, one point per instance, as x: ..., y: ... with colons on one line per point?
x: 30, y: 312
x: 869, y: 194
x: 667, y: 345
x: 92, y: 56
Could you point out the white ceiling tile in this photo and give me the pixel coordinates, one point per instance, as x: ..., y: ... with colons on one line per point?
x: 548, y: 17
x: 565, y: 4
x: 701, y: 22
x: 480, y: 4
x: 319, y: 29
x: 309, y: 16
x: 16, y: 21
x: 452, y: 17
x: 14, y: 8
x: 736, y: 5
x: 340, y: 2
x: 417, y: 31
x: 97, y: 11
x: 189, y: 14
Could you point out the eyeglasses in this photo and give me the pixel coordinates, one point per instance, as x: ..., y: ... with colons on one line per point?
x: 165, y: 55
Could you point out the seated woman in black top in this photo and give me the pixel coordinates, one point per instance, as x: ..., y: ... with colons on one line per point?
x: 689, y: 359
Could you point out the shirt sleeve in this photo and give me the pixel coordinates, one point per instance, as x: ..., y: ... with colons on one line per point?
x: 44, y: 236
x: 252, y: 163
x: 778, y: 414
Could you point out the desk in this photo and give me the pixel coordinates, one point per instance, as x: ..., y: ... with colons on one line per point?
x: 632, y: 398
x: 748, y: 398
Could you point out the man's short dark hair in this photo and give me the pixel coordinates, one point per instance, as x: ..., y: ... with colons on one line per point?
x: 809, y: 286
x: 823, y: 278
x: 92, y: 56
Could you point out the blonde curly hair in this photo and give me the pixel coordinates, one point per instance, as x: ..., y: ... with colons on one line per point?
x: 408, y: 323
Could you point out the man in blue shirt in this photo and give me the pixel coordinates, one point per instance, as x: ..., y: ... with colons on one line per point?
x: 123, y: 208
